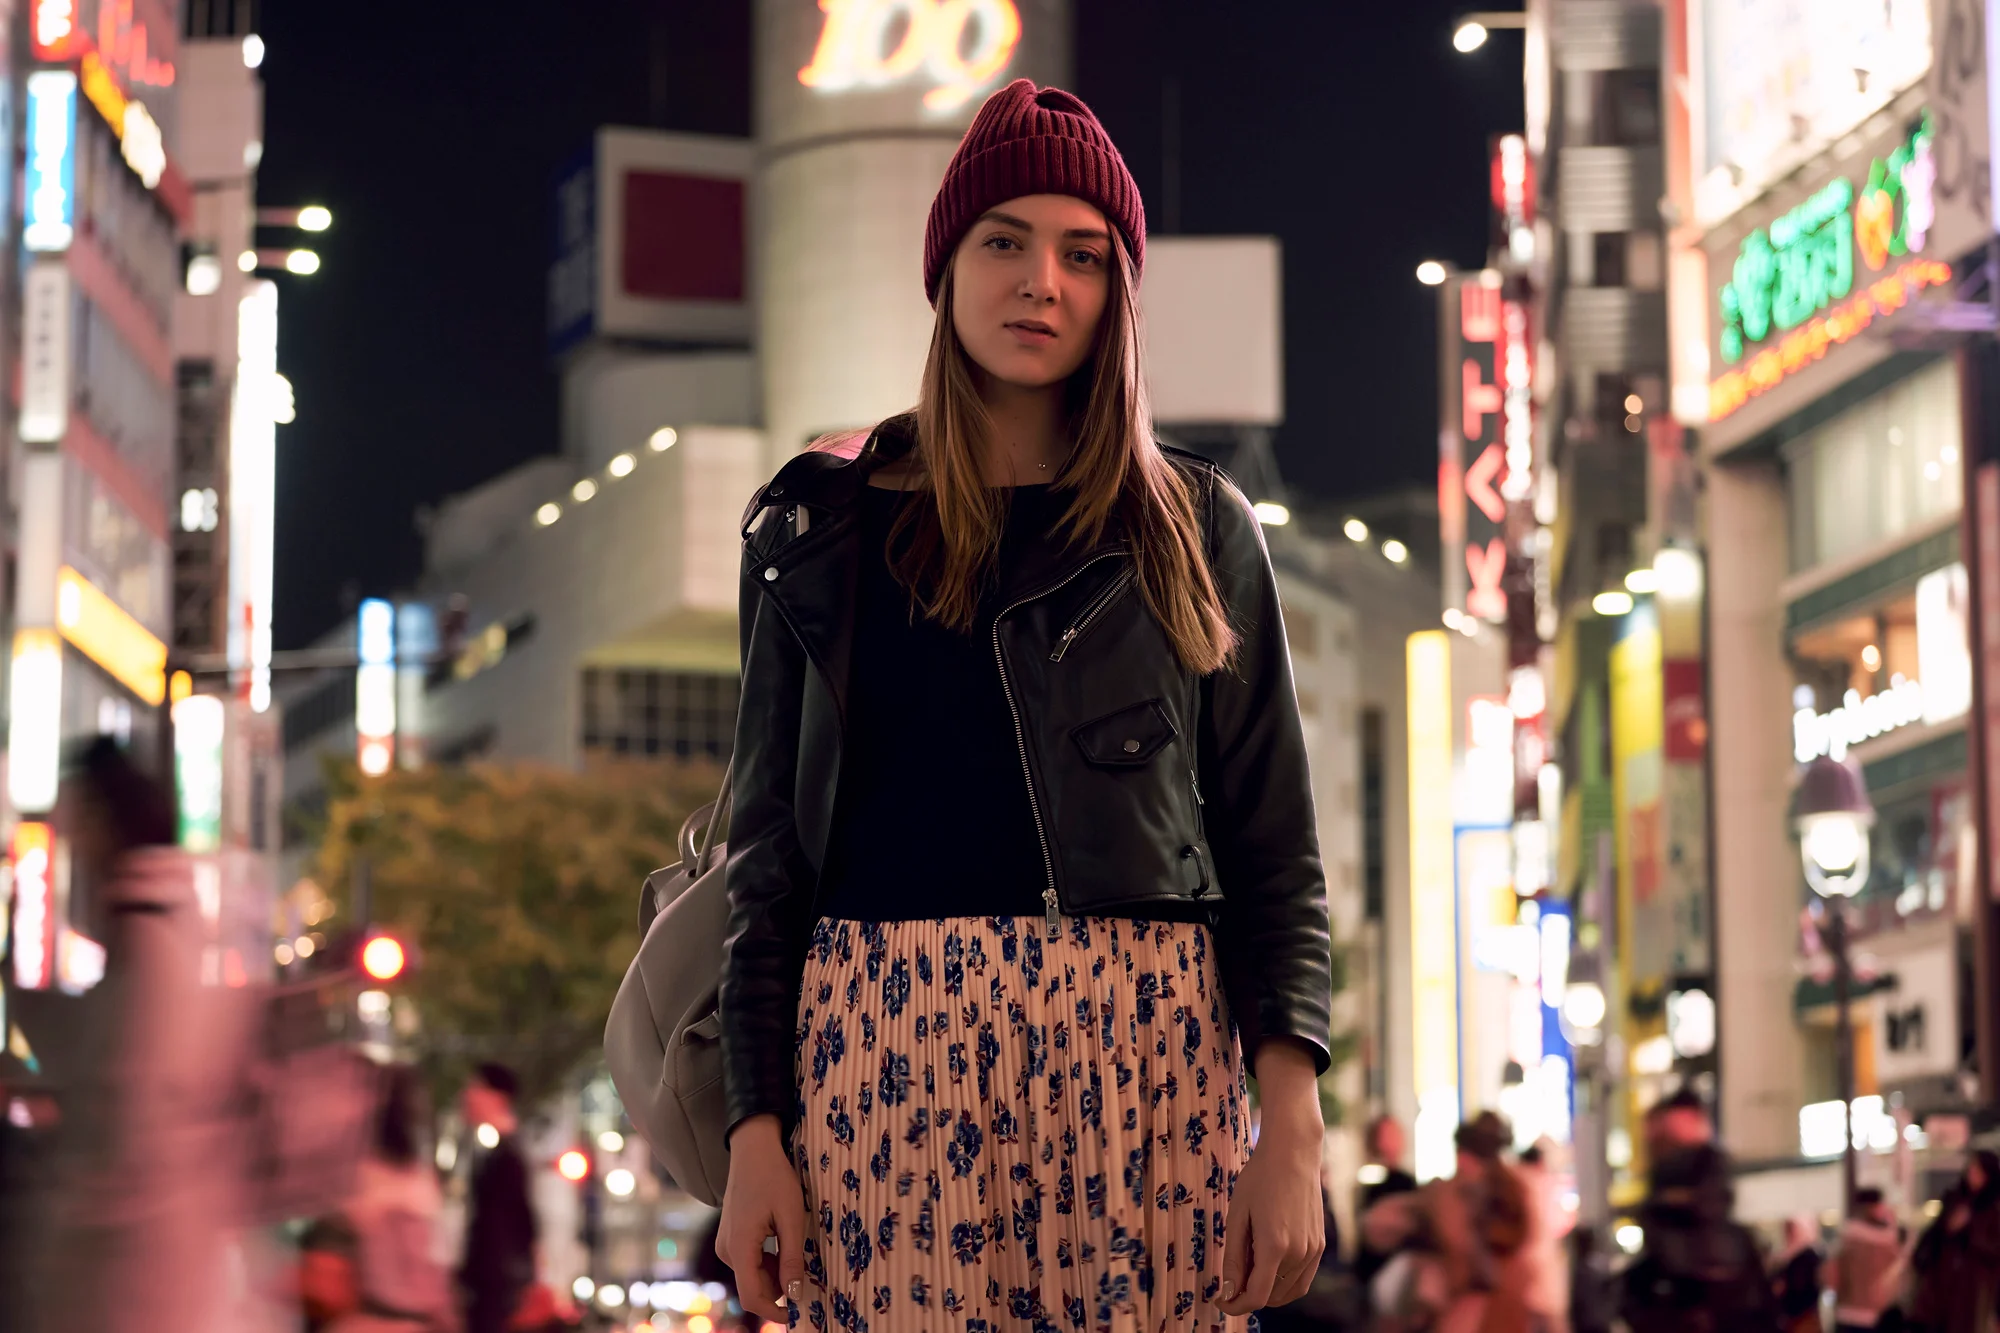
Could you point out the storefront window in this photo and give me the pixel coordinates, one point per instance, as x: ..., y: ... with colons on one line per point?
x: 1905, y: 662
x: 1883, y: 467
x: 1918, y: 852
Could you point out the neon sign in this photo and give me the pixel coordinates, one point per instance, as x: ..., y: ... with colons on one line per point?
x: 1803, y: 346
x: 854, y: 51
x: 1474, y: 478
x: 34, y: 916
x: 138, y: 134
x: 122, y: 41
x: 51, y: 183
x: 1797, y: 276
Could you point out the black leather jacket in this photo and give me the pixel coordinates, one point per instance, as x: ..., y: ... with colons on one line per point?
x: 1150, y: 784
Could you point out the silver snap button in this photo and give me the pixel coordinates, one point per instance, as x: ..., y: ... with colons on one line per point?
x: 777, y: 490
x: 771, y: 574
x: 1131, y: 747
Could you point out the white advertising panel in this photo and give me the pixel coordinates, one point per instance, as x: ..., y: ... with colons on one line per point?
x: 1916, y: 1027
x: 45, y: 355
x: 1214, y: 329
x: 1784, y: 78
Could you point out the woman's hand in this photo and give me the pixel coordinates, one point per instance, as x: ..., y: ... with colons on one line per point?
x: 1277, y: 1215
x: 763, y: 1199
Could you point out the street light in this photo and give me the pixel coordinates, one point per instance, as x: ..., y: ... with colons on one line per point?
x: 1431, y: 273
x: 1833, y: 814
x: 1474, y: 29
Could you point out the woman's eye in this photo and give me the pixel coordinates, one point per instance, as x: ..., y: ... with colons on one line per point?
x: 1001, y: 243
x: 1085, y: 257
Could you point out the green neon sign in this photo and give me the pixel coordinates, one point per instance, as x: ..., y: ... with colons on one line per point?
x: 1805, y: 261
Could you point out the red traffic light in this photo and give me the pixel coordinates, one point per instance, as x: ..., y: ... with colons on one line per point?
x: 573, y: 1165
x: 383, y: 958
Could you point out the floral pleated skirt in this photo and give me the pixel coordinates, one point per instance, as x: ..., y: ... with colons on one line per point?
x: 1002, y: 1132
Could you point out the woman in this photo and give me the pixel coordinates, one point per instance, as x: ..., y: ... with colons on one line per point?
x: 1022, y: 866
x: 371, y: 1268
x: 1958, y: 1260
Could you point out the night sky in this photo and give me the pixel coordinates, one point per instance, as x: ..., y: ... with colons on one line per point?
x: 434, y: 130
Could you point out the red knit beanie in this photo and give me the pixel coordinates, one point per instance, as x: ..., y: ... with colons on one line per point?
x: 1029, y: 140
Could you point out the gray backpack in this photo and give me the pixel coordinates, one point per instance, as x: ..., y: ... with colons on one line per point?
x: 662, y: 1043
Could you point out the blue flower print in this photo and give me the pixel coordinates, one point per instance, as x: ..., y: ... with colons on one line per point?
x: 1197, y: 1130
x: 964, y: 1150
x: 878, y: 1161
x: 845, y: 1315
x: 894, y: 1083
x: 968, y: 1240
x: 854, y: 1242
x: 839, y: 1122
x: 896, y: 989
x: 920, y: 1290
x: 920, y: 1127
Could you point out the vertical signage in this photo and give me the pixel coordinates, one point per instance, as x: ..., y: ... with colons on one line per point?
x: 199, y: 721
x: 51, y: 166
x: 45, y: 354
x: 1433, y: 886
x: 1472, y: 448
x: 260, y: 399
x: 375, y: 687
x: 34, y: 906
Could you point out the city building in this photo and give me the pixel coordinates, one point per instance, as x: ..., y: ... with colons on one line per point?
x: 1836, y: 459
x: 91, y: 445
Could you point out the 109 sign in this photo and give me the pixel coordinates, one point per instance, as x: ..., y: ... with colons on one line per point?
x: 959, y: 46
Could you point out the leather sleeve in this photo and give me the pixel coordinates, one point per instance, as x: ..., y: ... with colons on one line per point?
x: 770, y: 880
x: 1273, y: 939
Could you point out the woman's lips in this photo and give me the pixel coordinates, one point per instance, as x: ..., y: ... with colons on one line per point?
x: 1032, y: 332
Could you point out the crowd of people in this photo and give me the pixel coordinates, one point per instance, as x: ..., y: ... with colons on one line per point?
x: 1491, y: 1249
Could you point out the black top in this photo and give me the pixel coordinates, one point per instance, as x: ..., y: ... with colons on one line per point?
x: 933, y: 816
x: 500, y: 1228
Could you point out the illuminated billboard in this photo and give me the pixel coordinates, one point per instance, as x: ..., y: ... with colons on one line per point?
x: 958, y: 49
x: 50, y: 224
x: 1433, y: 891
x: 1783, y: 79
x: 32, y: 855
x: 1826, y: 258
x: 105, y: 633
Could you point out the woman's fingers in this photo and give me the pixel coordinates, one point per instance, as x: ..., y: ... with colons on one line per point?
x: 756, y: 1286
x: 1235, y: 1254
x: 791, y: 1256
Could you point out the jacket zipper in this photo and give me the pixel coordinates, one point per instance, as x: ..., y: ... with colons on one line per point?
x: 1097, y: 607
x: 1049, y: 899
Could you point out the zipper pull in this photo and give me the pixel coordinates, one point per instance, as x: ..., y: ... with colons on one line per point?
x: 1055, y: 913
x: 1195, y: 782
x: 1062, y: 645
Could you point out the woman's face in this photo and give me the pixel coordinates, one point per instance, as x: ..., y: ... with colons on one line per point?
x: 1029, y: 285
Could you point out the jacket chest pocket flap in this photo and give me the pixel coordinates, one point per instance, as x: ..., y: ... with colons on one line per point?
x: 1127, y: 738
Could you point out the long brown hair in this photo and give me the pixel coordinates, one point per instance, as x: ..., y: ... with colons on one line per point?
x: 944, y: 543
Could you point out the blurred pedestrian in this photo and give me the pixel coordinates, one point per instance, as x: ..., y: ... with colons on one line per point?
x: 1547, y: 1258
x: 1699, y: 1272
x: 370, y: 1268
x: 1958, y: 1259
x: 1385, y: 1179
x: 500, y: 1232
x: 1463, y: 1262
x: 1795, y: 1275
x: 139, y: 1234
x: 1868, y: 1268
x: 1593, y: 1291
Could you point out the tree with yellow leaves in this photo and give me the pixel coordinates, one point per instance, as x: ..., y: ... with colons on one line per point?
x: 519, y: 886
